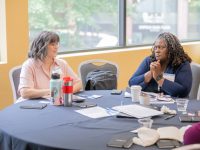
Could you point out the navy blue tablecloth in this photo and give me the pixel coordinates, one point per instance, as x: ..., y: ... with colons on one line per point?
x: 59, y: 127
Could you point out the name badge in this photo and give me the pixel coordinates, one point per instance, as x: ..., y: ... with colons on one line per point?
x: 168, y: 76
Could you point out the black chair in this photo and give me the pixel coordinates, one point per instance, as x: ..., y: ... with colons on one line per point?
x: 96, y: 64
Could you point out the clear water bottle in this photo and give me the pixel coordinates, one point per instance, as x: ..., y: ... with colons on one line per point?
x: 67, y: 91
x: 55, y: 88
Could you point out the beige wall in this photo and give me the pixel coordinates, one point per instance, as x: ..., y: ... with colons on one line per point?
x: 17, y: 43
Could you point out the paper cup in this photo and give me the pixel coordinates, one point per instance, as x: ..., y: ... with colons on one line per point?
x: 135, y: 93
x: 144, y: 100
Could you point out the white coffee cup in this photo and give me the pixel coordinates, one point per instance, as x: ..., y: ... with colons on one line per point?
x: 144, y: 99
x: 135, y: 93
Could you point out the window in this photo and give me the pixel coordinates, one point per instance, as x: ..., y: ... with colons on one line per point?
x: 3, y: 43
x: 193, y: 20
x: 91, y: 24
x: 147, y: 18
x: 81, y: 24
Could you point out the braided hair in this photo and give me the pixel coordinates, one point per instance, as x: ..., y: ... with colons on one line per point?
x: 175, y: 51
x: 39, y: 45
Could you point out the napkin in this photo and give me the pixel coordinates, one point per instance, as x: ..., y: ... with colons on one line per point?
x: 167, y: 110
x: 127, y: 94
x: 146, y: 137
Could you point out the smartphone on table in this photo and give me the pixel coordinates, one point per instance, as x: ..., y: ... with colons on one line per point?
x: 85, y: 104
x: 33, y: 106
x: 168, y: 143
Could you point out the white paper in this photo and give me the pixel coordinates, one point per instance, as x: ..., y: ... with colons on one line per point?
x: 94, y: 96
x: 155, y: 98
x: 127, y: 94
x: 20, y: 100
x: 44, y: 102
x: 164, y: 100
x: 161, y: 102
x: 76, y: 97
x: 160, y: 99
x: 94, y: 112
x: 134, y: 131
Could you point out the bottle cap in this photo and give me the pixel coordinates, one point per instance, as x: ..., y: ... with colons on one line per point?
x: 55, y: 76
x: 67, y: 79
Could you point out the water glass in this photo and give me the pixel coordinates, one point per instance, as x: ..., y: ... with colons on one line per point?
x: 181, y: 104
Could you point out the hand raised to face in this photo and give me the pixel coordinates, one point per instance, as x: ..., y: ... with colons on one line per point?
x: 155, y: 68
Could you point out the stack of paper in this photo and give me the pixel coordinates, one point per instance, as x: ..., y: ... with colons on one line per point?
x: 137, y: 111
x: 97, y: 112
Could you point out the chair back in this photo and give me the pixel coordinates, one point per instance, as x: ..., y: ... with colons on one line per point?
x: 96, y: 64
x: 194, y: 94
x: 198, y: 94
x: 14, y: 76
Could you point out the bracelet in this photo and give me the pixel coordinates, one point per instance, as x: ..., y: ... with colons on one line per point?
x: 159, y: 77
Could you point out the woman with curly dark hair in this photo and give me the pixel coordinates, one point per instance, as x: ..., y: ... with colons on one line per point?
x: 167, y: 70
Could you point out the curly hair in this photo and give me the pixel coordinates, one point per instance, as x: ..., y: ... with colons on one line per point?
x: 176, y: 52
x: 39, y: 45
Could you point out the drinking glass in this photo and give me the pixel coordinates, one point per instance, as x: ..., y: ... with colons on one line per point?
x: 182, y: 104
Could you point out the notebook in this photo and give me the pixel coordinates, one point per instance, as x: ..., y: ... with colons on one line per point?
x: 137, y: 111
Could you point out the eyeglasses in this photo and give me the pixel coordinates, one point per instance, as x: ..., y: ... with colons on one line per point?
x: 159, y: 47
x: 55, y: 44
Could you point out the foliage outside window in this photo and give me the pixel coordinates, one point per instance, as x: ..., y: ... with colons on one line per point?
x: 92, y: 24
x: 81, y: 24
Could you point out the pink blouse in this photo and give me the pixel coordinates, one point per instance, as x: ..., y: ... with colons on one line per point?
x: 33, y: 74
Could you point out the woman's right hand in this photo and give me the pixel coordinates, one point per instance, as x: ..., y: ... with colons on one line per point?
x: 155, y: 68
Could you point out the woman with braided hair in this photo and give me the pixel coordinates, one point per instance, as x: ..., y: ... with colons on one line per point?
x: 36, y: 70
x: 167, y: 70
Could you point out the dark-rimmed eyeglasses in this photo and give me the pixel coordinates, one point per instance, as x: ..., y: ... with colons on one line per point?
x: 159, y: 47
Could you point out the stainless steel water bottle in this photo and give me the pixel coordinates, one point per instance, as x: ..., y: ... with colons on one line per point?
x: 67, y: 91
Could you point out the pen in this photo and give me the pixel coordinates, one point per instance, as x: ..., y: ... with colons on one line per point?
x: 111, y: 111
x: 168, y: 117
